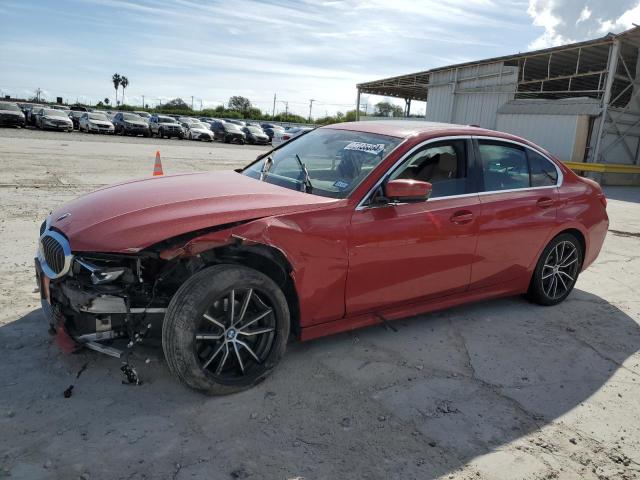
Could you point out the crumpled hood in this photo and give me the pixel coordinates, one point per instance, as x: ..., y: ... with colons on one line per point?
x: 131, y: 216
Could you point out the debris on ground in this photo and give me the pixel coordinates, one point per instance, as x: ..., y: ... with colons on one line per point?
x: 68, y: 392
x: 82, y: 369
x: 130, y: 374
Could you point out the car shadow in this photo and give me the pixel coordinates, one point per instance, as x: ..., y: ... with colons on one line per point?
x: 419, y: 402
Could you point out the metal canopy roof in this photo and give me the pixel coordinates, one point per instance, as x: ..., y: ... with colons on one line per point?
x: 412, y: 86
x: 556, y: 64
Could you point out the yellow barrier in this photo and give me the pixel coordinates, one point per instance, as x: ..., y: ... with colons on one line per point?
x: 603, y: 167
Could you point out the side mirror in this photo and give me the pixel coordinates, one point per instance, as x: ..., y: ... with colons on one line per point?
x: 405, y: 190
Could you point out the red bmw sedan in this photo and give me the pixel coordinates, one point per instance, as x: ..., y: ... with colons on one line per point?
x: 345, y: 226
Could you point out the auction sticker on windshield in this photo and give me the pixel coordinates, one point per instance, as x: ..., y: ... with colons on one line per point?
x: 374, y: 148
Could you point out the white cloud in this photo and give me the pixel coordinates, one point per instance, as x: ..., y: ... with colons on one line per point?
x: 623, y: 22
x: 585, y: 15
x: 566, y: 21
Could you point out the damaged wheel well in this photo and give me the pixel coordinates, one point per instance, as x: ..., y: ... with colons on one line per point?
x: 267, y: 260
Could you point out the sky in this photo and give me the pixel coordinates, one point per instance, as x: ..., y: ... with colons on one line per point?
x: 298, y: 50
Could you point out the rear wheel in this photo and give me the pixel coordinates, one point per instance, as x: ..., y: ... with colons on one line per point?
x: 557, y: 270
x: 225, y: 329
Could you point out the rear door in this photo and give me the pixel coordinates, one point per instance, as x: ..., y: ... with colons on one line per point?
x: 518, y: 195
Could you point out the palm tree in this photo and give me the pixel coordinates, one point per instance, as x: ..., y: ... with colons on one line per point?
x: 106, y: 101
x: 124, y: 82
x: 116, y: 79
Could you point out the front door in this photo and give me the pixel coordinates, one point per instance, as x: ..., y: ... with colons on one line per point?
x: 416, y: 251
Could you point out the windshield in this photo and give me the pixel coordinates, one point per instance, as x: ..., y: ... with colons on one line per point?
x: 98, y: 116
x: 198, y: 125
x: 336, y: 161
x: 166, y: 120
x: 255, y: 130
x: 55, y: 113
x: 143, y: 114
x: 231, y: 126
x: 9, y: 106
x: 131, y: 116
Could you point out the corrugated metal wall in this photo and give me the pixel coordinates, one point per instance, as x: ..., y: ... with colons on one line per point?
x: 555, y: 133
x: 471, y: 95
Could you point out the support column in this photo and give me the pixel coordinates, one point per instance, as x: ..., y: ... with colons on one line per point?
x: 358, y: 106
x: 407, y: 107
x: 612, y: 67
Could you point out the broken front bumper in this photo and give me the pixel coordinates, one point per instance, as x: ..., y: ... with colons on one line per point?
x: 82, y: 315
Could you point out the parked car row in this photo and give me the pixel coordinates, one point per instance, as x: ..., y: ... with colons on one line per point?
x: 83, y: 119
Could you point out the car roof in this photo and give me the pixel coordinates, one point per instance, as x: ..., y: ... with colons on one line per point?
x: 409, y: 128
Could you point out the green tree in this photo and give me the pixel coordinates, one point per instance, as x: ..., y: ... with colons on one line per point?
x: 239, y: 104
x: 176, y: 104
x: 350, y: 116
x: 124, y: 83
x: 387, y: 109
x: 116, y: 79
x: 106, y: 101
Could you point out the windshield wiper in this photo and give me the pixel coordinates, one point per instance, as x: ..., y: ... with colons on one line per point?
x: 308, y: 187
x: 268, y: 162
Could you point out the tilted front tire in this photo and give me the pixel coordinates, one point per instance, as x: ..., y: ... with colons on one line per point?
x: 225, y: 329
x: 557, y: 270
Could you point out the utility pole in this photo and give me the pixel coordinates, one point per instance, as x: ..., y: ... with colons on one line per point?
x: 191, y: 102
x: 143, y: 106
x: 286, y: 109
x: 310, y: 107
x: 38, y: 91
x: 274, y: 105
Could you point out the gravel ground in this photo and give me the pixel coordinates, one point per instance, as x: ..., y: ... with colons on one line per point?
x: 495, y: 390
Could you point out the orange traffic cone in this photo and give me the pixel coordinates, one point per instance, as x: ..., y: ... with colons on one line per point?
x: 157, y: 167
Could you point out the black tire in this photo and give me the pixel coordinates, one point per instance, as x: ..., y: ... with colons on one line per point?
x: 556, y: 264
x: 200, y: 294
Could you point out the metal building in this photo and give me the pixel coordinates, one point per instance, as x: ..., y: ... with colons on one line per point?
x: 580, y: 101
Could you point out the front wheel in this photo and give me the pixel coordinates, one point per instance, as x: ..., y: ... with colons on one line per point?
x: 557, y: 270
x: 225, y: 329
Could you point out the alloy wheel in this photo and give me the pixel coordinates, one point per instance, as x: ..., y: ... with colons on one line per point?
x: 560, y: 270
x: 236, y: 334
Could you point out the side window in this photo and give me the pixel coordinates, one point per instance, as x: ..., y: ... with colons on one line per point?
x: 543, y: 172
x: 504, y: 166
x: 443, y: 164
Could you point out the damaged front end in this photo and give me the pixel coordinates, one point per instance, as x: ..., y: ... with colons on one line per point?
x: 110, y: 302
x: 102, y: 299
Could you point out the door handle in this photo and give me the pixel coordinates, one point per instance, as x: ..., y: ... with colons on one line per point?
x: 545, y: 202
x: 461, y: 217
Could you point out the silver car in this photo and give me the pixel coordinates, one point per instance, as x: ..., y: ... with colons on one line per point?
x: 92, y: 122
x: 279, y: 137
x: 198, y: 131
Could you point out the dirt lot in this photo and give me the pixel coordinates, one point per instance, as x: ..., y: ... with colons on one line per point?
x: 496, y: 390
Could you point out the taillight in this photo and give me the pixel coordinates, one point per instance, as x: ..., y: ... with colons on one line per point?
x: 286, y: 137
